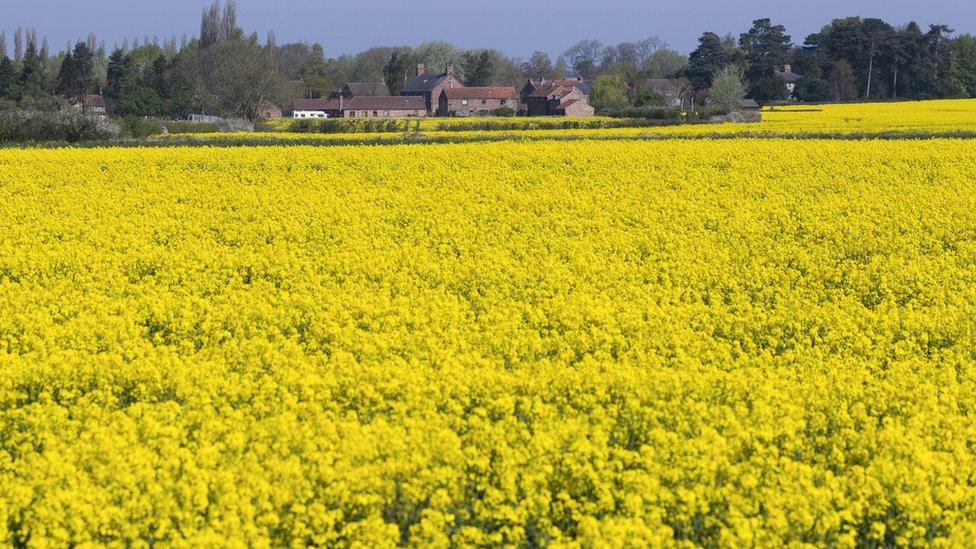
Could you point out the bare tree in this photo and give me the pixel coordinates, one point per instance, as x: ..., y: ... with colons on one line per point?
x: 228, y: 23
x: 3, y: 44
x: 243, y: 76
x: 646, y: 48
x: 18, y: 44
x: 677, y: 91
x: 210, y: 25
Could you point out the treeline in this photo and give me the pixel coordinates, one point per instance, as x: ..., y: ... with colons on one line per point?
x: 225, y: 71
x: 849, y: 59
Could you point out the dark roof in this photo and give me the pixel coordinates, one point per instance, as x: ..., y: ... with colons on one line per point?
x: 425, y: 82
x: 367, y: 88
x: 481, y: 93
x: 749, y: 104
x: 789, y: 76
x: 659, y: 86
x: 388, y: 103
x: 316, y: 104
x: 567, y: 104
x: 550, y: 89
x: 95, y: 101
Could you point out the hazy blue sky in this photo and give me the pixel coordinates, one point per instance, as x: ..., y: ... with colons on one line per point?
x: 517, y: 27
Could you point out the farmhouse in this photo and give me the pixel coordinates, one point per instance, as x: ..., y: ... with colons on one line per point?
x: 532, y: 85
x: 430, y: 86
x: 558, y: 100
x: 476, y: 101
x: 93, y: 105
x: 384, y: 107
x: 790, y: 77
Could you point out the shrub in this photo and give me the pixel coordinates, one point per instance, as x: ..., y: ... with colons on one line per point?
x: 20, y: 126
x: 354, y: 125
x: 504, y: 112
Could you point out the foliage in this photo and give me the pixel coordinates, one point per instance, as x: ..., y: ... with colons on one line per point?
x: 609, y: 93
x: 19, y: 126
x: 766, y: 48
x: 729, y: 88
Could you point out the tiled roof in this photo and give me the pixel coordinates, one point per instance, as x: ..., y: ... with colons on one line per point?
x: 316, y: 104
x: 546, y: 91
x: 789, y: 76
x: 388, y: 103
x: 424, y: 82
x: 368, y: 88
x: 481, y: 93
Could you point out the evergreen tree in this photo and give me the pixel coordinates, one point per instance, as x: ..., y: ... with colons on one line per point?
x: 8, y: 76
x: 710, y: 56
x: 767, y: 48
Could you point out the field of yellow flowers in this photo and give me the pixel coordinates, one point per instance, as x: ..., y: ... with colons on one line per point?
x: 677, y: 343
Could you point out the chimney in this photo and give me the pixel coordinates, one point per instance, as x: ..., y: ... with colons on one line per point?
x: 421, y: 69
x: 449, y: 69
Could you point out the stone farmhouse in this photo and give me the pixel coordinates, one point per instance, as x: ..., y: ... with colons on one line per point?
x: 476, y: 101
x: 558, y: 99
x: 429, y: 86
x: 534, y: 84
x: 790, y: 78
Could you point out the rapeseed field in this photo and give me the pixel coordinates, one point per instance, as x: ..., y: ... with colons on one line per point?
x: 750, y: 342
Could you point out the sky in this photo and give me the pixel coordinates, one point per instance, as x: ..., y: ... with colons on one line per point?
x: 516, y: 27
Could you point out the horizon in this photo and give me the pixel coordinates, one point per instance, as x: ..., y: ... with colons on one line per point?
x: 348, y: 29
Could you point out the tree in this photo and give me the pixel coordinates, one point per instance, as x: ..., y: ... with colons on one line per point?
x: 76, y: 77
x: 399, y: 70
x: 665, y: 63
x: 710, y: 56
x: 484, y: 71
x: 33, y: 84
x: 437, y: 55
x: 842, y: 81
x: 560, y: 70
x: 964, y: 71
x: 584, y: 57
x: 116, y: 74
x: 609, y: 93
x: 539, y: 65
x: 767, y: 48
x: 242, y: 75
x: 729, y: 87
x: 645, y: 50
x: 8, y: 75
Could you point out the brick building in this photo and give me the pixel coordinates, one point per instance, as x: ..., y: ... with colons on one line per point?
x: 361, y: 107
x: 384, y: 107
x: 476, y: 101
x: 558, y: 100
x: 429, y: 86
x: 535, y: 84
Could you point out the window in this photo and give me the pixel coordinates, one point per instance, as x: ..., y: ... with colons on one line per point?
x: 376, y: 113
x: 386, y: 114
x: 464, y: 101
x: 504, y: 101
x: 484, y: 101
